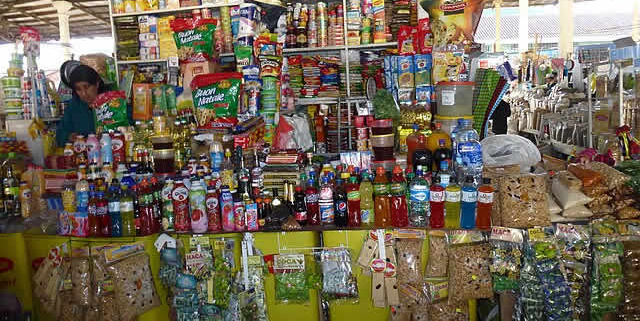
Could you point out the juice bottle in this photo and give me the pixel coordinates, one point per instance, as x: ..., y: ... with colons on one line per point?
x: 399, y: 211
x: 468, y: 205
x: 382, y: 200
x: 433, y: 141
x: 126, y: 212
x: 452, y: 206
x: 485, y: 203
x: 367, y: 213
x: 113, y: 199
x: 353, y: 201
x: 436, y: 199
x: 412, y: 143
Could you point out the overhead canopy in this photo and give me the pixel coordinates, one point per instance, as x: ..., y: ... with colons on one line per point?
x: 88, y: 18
x: 514, y: 3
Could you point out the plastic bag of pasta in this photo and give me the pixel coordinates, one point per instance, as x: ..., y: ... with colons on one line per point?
x: 338, y: 281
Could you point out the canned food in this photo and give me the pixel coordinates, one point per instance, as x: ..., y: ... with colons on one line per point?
x: 362, y: 145
x: 362, y: 133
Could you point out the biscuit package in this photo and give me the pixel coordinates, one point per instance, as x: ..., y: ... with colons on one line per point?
x: 453, y: 22
x: 194, y: 39
x: 111, y: 110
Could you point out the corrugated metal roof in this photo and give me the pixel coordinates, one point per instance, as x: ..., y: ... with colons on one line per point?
x: 88, y: 18
x: 548, y: 27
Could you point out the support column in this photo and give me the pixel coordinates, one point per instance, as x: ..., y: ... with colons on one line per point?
x: 635, y: 32
x: 63, y: 8
x: 523, y: 30
x: 498, y: 16
x: 567, y: 22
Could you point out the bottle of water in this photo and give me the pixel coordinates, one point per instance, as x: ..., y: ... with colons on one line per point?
x: 454, y: 144
x: 419, y: 191
x: 469, y: 154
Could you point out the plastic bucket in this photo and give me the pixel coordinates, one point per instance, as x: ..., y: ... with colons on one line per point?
x: 449, y: 123
x: 455, y: 98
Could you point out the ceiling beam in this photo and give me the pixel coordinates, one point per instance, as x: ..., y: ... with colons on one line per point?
x: 91, y: 12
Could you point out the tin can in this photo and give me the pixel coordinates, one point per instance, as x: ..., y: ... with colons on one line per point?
x: 362, y: 145
x: 362, y: 133
x: 206, y: 13
x: 238, y: 216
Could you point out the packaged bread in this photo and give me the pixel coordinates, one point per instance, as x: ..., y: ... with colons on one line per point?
x: 523, y: 201
x: 587, y: 176
x: 570, y: 180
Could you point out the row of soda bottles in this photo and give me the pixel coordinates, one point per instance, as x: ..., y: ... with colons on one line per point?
x: 137, y: 203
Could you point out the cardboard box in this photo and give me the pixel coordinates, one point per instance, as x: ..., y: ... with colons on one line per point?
x: 192, y: 69
x: 142, y: 108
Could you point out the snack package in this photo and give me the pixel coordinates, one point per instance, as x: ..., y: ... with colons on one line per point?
x: 290, y: 279
x: 437, y: 262
x: 453, y: 22
x: 566, y: 197
x: 142, y: 98
x: 574, y: 244
x: 630, y: 308
x: 216, y: 97
x: 111, y: 110
x: 506, y: 250
x: 523, y: 201
x: 606, y: 275
x: 469, y: 276
x: 587, y: 176
x: 614, y: 178
x: 407, y: 40
x: 194, y: 39
x: 449, y: 66
x: 409, y: 257
x: 425, y: 36
x: 338, y: 281
x: 81, y: 277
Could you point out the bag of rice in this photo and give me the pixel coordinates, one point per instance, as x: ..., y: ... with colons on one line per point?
x: 566, y: 197
x: 579, y: 211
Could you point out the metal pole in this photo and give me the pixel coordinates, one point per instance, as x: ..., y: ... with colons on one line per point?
x: 621, y: 88
x: 590, y: 129
x: 523, y: 43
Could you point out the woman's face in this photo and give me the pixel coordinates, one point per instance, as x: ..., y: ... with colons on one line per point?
x: 86, y: 91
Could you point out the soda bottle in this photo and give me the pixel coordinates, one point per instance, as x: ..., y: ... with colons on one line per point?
x: 128, y: 180
x: 340, y: 202
x: 156, y: 190
x: 197, y: 195
x: 311, y: 199
x: 442, y: 153
x: 238, y: 209
x: 419, y: 189
x: 118, y: 150
x: 325, y: 202
x: 92, y: 213
x: 113, y: 200
x: 452, y: 205
x: 300, y: 206
x: 413, y: 140
x: 82, y: 194
x: 126, y: 212
x: 180, y: 202
x: 436, y: 201
x: 366, y: 201
x: 106, y: 150
x: 102, y: 211
x: 399, y: 211
x: 353, y: 202
x: 69, y: 156
x: 145, y: 202
x: 93, y: 149
x: 382, y: 200
x: 485, y: 204
x: 226, y: 209
x: 422, y: 156
x: 137, y: 208
x: 213, y: 210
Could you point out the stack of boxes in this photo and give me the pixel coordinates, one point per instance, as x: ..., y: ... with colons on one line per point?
x: 127, y: 34
x: 353, y: 23
x: 148, y: 36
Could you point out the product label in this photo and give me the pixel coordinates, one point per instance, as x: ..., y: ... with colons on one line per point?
x: 419, y: 193
x: 126, y: 207
x: 312, y: 198
x: 485, y: 198
x: 452, y: 197
x: 365, y: 216
x: 288, y: 262
x: 301, y: 216
x: 101, y: 210
x: 212, y: 203
x: 238, y: 216
x: 67, y: 152
x: 448, y: 97
x: 398, y: 188
x: 114, y: 207
x: 180, y: 194
x: 341, y: 206
x: 381, y: 189
x: 79, y: 146
x: 216, y: 160
x: 326, y: 213
x: 436, y: 196
x: 353, y: 196
x: 82, y: 199
x: 471, y: 154
x: 469, y: 197
x: 445, y: 180
x: 251, y: 212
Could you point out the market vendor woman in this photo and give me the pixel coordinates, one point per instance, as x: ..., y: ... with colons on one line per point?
x: 78, y: 118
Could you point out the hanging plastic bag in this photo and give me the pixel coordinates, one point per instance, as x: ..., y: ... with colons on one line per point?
x: 284, y: 136
x: 501, y: 150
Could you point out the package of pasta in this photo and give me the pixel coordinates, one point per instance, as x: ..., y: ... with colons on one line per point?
x: 216, y: 97
x: 338, y: 280
x: 111, y: 110
x: 469, y: 262
x: 194, y: 39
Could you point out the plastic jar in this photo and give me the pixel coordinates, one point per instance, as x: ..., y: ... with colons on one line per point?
x: 455, y: 98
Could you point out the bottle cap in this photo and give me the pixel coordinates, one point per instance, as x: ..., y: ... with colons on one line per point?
x: 486, y: 181
x: 380, y: 170
x: 298, y: 188
x: 436, y: 180
x: 344, y: 175
x: 397, y: 170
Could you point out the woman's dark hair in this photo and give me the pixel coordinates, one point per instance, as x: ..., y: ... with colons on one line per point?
x: 72, y: 72
x: 86, y: 73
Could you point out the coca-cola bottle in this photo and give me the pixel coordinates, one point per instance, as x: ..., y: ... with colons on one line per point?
x: 299, y: 206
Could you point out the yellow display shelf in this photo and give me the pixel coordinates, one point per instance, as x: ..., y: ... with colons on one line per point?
x: 14, y: 269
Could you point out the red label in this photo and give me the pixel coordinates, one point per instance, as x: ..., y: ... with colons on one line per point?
x: 6, y: 264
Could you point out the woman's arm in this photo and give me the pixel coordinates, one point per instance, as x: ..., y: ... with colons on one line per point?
x: 64, y: 128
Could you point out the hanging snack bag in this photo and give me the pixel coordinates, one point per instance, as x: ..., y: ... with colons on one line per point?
x: 215, y: 97
x: 290, y: 279
x: 111, y: 110
x: 194, y: 39
x: 338, y: 282
x: 469, y: 262
x: 506, y: 250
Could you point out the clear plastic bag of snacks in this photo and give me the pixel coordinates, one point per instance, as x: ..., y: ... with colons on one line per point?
x: 438, y: 260
x: 338, y: 280
x: 409, y: 257
x: 290, y: 279
x: 574, y: 244
x: 469, y: 261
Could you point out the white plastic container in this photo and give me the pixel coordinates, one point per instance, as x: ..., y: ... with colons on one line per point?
x: 455, y: 98
x: 449, y: 123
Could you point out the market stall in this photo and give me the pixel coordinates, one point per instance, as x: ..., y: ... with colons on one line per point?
x: 258, y: 160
